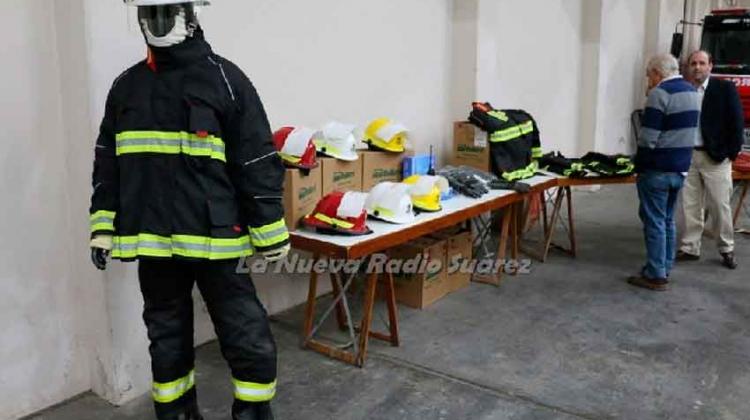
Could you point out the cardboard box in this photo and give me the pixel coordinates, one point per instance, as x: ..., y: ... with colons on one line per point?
x: 378, y: 167
x: 301, y: 194
x: 420, y: 288
x: 459, y: 253
x: 459, y: 247
x: 340, y: 175
x: 470, y: 146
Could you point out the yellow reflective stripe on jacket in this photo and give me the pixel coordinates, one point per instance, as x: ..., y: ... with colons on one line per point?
x: 512, y: 132
x: 171, y: 143
x: 103, y: 220
x: 269, y: 235
x: 188, y: 246
x: 333, y: 221
x: 626, y: 164
x: 500, y: 115
x: 536, y: 152
x: 253, y: 392
x: 171, y: 391
x: 522, y: 173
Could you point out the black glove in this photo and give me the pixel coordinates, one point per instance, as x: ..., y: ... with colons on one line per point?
x: 468, y: 186
x: 99, y: 258
x: 519, y: 187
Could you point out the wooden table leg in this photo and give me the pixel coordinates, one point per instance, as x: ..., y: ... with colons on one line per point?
x: 369, y: 303
x: 516, y: 227
x: 390, y: 294
x: 559, y: 195
x: 312, y: 293
x: 740, y: 202
x: 390, y: 298
x: 508, y: 214
x: 571, y: 223
x: 545, y: 222
x: 340, y: 314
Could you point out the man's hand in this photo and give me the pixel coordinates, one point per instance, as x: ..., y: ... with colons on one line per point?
x: 100, y: 247
x: 276, y: 254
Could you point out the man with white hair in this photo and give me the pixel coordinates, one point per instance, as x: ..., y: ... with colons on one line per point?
x: 665, y: 147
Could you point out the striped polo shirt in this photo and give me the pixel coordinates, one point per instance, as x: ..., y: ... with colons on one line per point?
x: 669, y: 127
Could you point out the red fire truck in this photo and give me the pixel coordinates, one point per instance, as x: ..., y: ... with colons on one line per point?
x: 726, y: 35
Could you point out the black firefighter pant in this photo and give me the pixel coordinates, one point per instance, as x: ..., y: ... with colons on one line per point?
x: 240, y: 321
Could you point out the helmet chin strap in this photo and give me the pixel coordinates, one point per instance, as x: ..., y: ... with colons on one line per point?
x: 182, y: 30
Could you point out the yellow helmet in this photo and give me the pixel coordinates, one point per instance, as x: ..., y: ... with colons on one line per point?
x: 387, y: 135
x: 425, y: 191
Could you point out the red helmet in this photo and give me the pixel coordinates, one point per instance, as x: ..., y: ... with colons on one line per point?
x: 340, y: 213
x: 295, y: 147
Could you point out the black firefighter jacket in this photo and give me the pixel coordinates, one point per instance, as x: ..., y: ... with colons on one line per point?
x: 185, y: 165
x: 514, y: 140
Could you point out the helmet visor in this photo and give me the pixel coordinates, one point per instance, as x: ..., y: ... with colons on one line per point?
x: 159, y: 19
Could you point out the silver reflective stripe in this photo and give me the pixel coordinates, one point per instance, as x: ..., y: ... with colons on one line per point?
x: 144, y: 244
x: 102, y: 219
x: 182, y: 143
x: 210, y: 248
x: 172, y: 391
x: 254, y: 392
x: 266, y: 236
x: 259, y: 159
x: 182, y: 245
x: 224, y: 75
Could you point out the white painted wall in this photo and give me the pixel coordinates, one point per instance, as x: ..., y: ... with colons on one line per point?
x: 350, y: 60
x: 464, y: 60
x: 529, y: 57
x: 45, y: 308
x: 621, y: 87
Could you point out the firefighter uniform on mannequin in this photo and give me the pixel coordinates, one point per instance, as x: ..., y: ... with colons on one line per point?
x: 187, y: 181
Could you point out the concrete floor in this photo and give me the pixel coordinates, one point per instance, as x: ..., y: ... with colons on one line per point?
x: 569, y: 341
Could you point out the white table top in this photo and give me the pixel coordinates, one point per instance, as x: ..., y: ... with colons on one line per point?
x: 380, y: 228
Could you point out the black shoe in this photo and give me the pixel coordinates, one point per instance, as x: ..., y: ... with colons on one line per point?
x: 684, y: 256
x: 188, y: 415
x: 252, y: 411
x: 658, y: 285
x: 728, y: 261
x: 263, y: 411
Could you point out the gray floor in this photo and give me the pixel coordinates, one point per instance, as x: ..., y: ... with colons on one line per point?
x: 569, y: 341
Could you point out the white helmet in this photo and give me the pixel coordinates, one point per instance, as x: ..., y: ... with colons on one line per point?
x: 391, y: 202
x: 165, y: 23
x: 337, y: 140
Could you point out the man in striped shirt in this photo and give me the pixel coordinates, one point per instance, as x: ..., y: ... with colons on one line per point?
x: 665, y: 147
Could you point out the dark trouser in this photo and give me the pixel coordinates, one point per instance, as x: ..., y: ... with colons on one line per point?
x: 240, y: 321
x: 658, y: 192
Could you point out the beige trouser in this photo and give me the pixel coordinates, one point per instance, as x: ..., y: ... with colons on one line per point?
x: 708, y: 187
